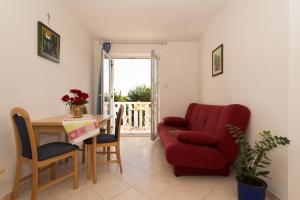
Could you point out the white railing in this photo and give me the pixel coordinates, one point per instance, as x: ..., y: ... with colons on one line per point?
x: 136, y: 117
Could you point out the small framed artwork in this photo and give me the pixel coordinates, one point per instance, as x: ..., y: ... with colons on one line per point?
x: 217, y: 61
x: 48, y: 43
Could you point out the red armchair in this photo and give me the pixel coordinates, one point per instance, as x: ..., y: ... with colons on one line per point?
x: 199, y: 143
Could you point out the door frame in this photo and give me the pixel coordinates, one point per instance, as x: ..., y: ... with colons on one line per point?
x: 100, y: 107
x: 155, y: 96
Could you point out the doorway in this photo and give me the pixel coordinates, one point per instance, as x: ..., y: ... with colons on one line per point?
x: 133, y: 83
x: 132, y: 89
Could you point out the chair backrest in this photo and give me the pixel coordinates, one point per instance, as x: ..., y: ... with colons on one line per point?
x: 119, y: 121
x: 24, y: 134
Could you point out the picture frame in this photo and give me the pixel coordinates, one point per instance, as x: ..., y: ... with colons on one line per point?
x: 48, y: 43
x: 217, y: 61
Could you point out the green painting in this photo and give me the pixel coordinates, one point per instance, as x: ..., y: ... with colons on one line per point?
x: 217, y: 61
x: 48, y: 43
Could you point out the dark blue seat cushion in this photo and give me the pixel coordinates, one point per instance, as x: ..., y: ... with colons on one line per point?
x: 102, y: 138
x: 54, y: 149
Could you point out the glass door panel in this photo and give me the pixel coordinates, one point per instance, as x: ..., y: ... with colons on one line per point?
x: 106, y: 86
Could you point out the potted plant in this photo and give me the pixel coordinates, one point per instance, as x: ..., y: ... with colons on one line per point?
x: 253, y: 161
x: 76, y: 102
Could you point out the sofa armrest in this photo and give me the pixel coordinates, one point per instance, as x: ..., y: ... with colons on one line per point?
x: 196, y: 137
x: 175, y: 121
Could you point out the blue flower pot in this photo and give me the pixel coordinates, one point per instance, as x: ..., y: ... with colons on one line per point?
x: 250, y: 192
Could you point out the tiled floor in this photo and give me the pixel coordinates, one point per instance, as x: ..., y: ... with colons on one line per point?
x: 147, y: 175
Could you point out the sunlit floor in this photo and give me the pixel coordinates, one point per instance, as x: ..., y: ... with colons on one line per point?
x: 147, y: 175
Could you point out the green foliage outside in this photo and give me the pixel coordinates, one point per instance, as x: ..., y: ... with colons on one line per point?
x: 118, y: 97
x: 140, y: 93
x: 253, y: 160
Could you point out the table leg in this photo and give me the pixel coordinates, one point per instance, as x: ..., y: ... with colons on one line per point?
x: 108, y: 132
x: 94, y: 159
x: 89, y: 162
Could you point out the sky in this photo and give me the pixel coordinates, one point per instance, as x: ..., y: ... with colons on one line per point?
x: 129, y: 73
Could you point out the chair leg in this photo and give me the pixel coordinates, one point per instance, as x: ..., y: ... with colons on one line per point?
x: 75, y: 170
x: 17, y: 178
x: 83, y: 153
x: 35, y: 182
x: 53, y: 171
x: 108, y: 153
x: 119, y: 157
x: 89, y: 161
x: 66, y: 141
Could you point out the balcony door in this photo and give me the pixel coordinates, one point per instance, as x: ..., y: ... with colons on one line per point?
x: 106, y: 94
x: 154, y: 94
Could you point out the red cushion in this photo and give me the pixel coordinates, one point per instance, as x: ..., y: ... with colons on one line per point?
x: 175, y: 121
x: 196, y: 137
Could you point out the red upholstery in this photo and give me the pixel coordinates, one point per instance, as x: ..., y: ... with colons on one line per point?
x: 203, y: 145
x: 175, y: 121
x: 196, y: 137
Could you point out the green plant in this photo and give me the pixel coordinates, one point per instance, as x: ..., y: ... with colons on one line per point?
x: 140, y: 93
x: 118, y: 97
x: 253, y: 160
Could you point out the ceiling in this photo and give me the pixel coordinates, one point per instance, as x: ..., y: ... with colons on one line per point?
x: 136, y: 20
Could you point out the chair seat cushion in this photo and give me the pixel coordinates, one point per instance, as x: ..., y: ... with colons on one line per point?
x: 54, y: 149
x: 102, y: 138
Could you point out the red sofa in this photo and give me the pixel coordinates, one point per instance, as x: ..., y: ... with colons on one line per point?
x: 200, y: 143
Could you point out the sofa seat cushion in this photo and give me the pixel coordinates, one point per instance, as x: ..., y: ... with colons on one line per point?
x: 196, y: 137
x: 181, y: 154
x: 168, y: 133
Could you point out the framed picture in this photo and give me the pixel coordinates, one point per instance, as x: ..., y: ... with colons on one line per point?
x: 217, y: 61
x: 48, y: 43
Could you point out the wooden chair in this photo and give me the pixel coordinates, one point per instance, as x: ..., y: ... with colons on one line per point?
x: 106, y: 141
x: 39, y: 157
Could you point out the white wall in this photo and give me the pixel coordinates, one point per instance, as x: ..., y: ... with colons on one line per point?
x: 31, y: 81
x: 294, y: 106
x: 177, y: 72
x: 255, y: 35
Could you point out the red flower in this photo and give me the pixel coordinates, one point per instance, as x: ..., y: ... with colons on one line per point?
x: 78, y: 97
x: 75, y: 91
x: 65, y: 98
x: 84, y: 95
x: 78, y: 101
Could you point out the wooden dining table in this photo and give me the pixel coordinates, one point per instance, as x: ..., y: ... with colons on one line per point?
x: 54, y: 125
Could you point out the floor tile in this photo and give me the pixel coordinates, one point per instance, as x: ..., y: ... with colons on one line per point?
x: 146, y: 175
x: 65, y: 189
x: 218, y: 194
x: 133, y: 176
x: 175, y: 194
x: 87, y: 194
x: 153, y: 187
x: 109, y: 186
x: 197, y: 187
x: 131, y: 194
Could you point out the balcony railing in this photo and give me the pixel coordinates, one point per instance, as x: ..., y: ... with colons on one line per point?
x: 136, y: 117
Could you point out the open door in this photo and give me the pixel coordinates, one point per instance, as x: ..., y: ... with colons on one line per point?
x: 154, y: 94
x: 106, y: 79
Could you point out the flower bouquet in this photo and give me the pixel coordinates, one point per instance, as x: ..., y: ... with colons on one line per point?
x: 76, y: 102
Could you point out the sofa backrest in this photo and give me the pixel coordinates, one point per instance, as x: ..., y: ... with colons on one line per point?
x: 212, y: 119
x: 203, y: 117
x: 236, y: 115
